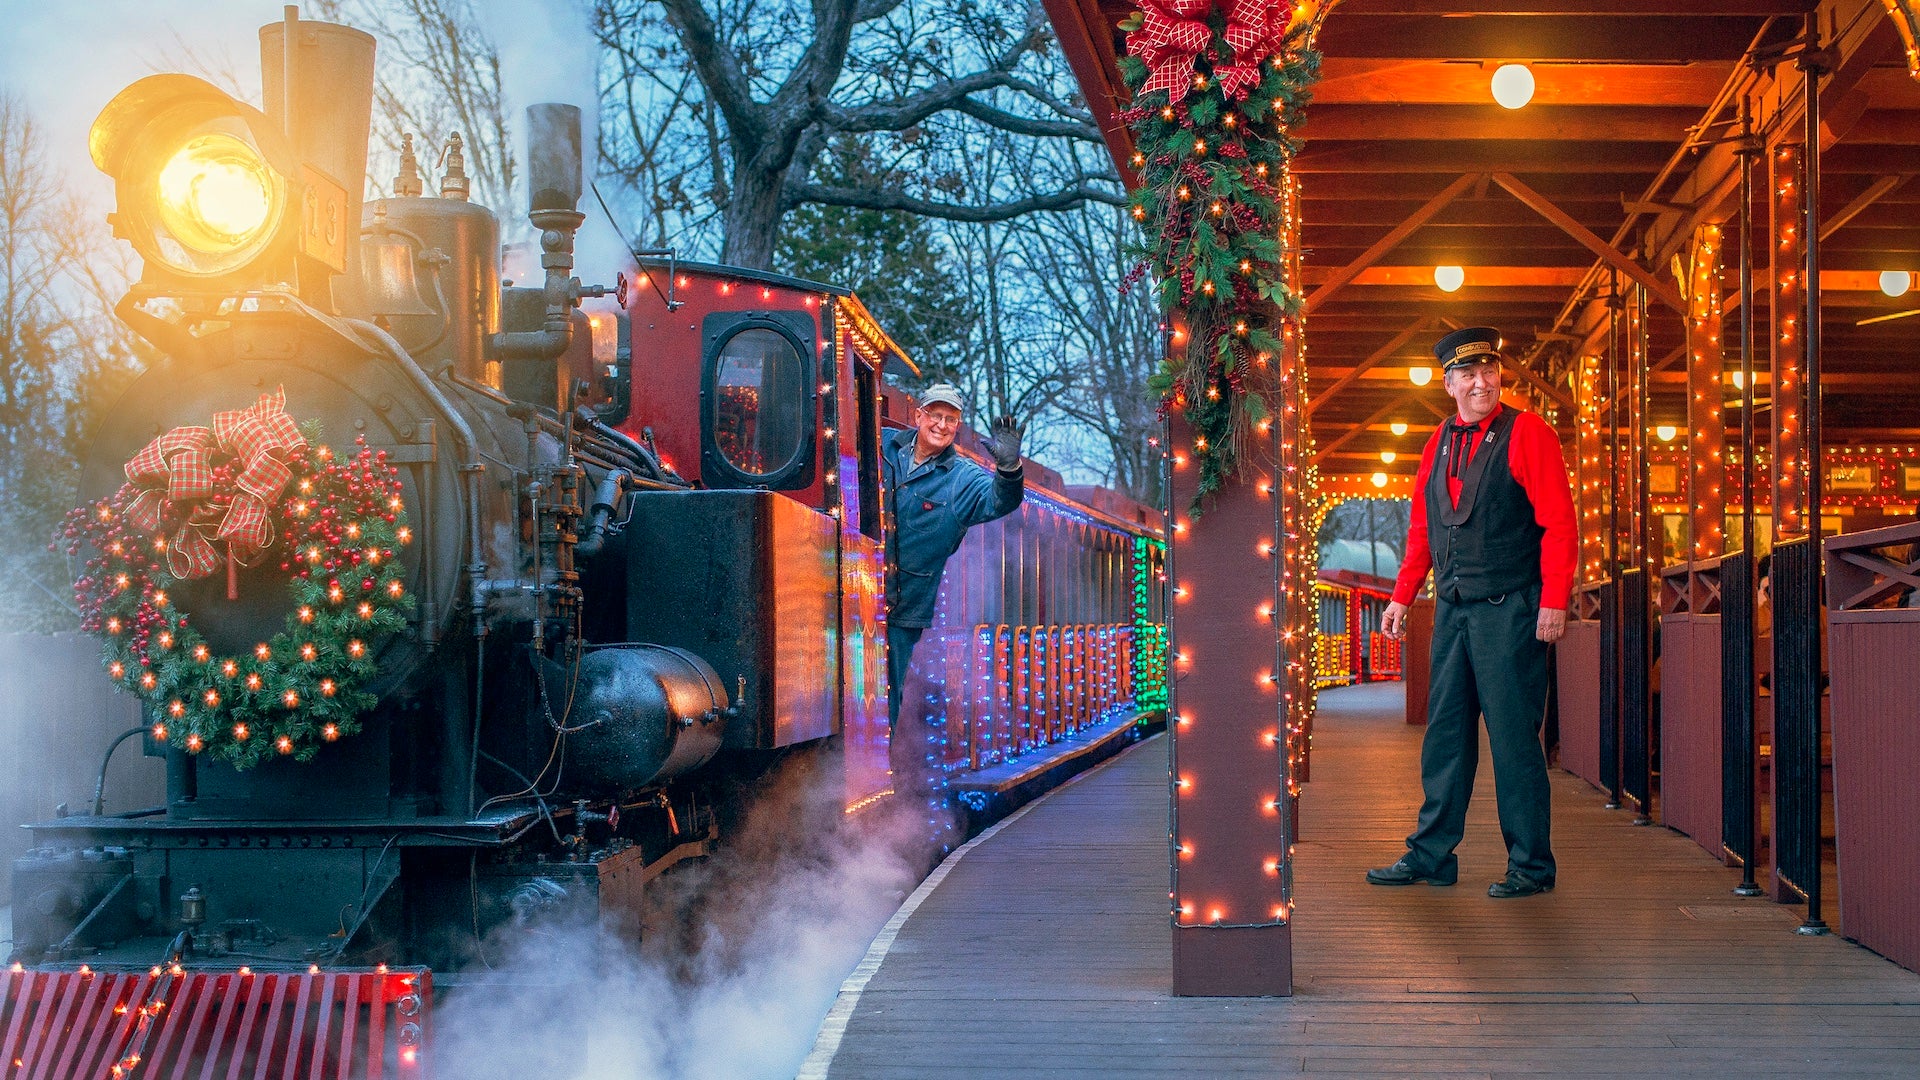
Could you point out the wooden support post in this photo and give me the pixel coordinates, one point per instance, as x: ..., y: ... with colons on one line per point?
x: 1789, y: 256
x: 1707, y: 431
x: 1590, y: 472
x: 1243, y: 627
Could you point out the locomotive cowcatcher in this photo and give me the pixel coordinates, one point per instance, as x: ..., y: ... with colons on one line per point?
x: 628, y: 561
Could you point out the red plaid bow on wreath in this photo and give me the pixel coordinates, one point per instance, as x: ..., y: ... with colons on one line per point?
x: 1173, y: 33
x: 174, y: 477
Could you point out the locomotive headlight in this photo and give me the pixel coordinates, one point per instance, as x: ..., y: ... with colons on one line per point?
x: 204, y: 184
x: 216, y: 197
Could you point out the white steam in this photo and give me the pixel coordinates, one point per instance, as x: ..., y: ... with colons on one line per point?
x: 548, y: 53
x: 740, y: 961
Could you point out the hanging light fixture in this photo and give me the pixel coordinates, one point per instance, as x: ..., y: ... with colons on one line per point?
x: 1421, y: 376
x: 1398, y: 427
x: 1449, y: 278
x: 1512, y: 85
x: 1665, y: 432
x: 1895, y: 282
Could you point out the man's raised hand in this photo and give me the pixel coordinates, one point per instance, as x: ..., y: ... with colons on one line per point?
x: 1004, y: 444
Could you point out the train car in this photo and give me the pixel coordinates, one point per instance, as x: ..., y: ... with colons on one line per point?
x: 455, y: 609
x: 1349, y: 648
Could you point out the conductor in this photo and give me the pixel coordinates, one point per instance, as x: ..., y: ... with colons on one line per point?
x: 1493, y: 518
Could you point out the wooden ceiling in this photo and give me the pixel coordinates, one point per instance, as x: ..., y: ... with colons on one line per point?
x: 1408, y: 164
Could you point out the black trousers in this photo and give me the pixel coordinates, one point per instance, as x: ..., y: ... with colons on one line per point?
x: 1486, y: 663
x: 900, y: 643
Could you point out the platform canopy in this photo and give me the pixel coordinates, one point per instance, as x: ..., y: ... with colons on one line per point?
x: 1623, y: 150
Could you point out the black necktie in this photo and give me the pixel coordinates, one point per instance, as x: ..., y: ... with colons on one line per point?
x: 1459, y: 445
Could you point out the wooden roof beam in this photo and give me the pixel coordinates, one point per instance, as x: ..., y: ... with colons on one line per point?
x: 1587, y: 239
x: 1392, y: 346
x: 1390, y: 241
x: 1416, y: 393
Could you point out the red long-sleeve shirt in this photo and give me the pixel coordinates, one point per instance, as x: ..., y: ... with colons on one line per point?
x: 1534, y: 456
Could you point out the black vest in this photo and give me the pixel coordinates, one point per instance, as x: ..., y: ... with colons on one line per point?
x: 1490, y: 545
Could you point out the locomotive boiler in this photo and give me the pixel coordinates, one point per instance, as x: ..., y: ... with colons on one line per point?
x: 454, y: 607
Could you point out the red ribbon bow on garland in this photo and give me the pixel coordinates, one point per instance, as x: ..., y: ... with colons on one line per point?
x: 174, y: 475
x: 1173, y: 33
x: 1255, y: 30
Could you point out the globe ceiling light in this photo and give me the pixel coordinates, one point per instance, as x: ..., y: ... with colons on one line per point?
x: 1665, y: 432
x: 1387, y: 456
x: 1512, y: 85
x: 1379, y: 479
x: 1398, y: 427
x: 1449, y: 278
x: 1895, y: 282
x: 1421, y: 376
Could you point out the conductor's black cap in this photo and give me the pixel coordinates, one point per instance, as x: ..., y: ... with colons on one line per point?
x: 1473, y: 345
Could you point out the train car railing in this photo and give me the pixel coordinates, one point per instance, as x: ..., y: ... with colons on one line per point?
x: 1333, y: 660
x: 1385, y: 656
x: 1009, y: 690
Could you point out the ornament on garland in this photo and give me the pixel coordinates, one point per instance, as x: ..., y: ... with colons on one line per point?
x: 250, y: 486
x: 1218, y: 85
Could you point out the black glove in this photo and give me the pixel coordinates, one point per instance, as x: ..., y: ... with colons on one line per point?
x: 1005, y: 444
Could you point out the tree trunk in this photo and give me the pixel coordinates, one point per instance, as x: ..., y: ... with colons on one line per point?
x: 753, y: 218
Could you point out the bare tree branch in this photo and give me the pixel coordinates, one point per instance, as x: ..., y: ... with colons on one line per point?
x: 1069, y: 198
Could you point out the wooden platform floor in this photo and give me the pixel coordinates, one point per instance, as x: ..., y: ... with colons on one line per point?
x: 1044, y: 952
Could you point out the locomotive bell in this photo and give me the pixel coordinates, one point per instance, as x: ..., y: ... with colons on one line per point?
x: 388, y: 283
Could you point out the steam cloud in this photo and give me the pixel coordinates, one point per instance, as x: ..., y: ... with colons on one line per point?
x: 740, y: 960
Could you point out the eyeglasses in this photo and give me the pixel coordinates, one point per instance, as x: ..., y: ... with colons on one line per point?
x: 939, y: 420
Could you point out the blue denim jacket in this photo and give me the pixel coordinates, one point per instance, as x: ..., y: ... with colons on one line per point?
x: 933, y: 505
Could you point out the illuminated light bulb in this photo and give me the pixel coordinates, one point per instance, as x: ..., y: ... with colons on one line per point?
x: 262, y: 651
x: 1139, y: 213
x: 330, y: 732
x: 405, y: 535
x: 1665, y: 432
x: 1398, y: 427
x: 160, y: 732
x: 1379, y: 479
x: 1166, y: 113
x: 253, y: 680
x: 166, y: 639
x: 176, y: 708
x: 1895, y: 282
x: 353, y: 531
x: 356, y: 649
x: 1420, y: 376
x: 1387, y: 456
x: 121, y: 581
x: 213, y: 698
x: 1199, y: 146
x: 240, y: 732
x: 1512, y: 85
x: 291, y: 698
x: 194, y: 743
x: 116, y: 669
x: 1138, y: 159
x: 308, y: 652
x: 148, y: 681
x: 1449, y: 278
x: 229, y: 669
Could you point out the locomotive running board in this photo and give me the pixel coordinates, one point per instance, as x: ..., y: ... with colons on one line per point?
x: 82, y: 1025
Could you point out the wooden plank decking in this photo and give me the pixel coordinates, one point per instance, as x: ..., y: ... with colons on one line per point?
x: 1044, y: 952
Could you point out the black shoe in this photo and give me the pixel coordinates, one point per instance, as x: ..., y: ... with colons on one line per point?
x: 1517, y: 884
x: 1405, y: 873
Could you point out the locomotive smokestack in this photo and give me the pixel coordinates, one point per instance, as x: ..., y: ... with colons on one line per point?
x: 317, y: 82
x: 553, y: 157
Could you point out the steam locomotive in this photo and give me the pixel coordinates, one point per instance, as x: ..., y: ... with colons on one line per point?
x: 643, y: 551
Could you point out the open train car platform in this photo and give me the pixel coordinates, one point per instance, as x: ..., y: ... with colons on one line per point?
x: 1041, y: 949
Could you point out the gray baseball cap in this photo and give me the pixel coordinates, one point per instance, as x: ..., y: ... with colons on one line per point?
x: 944, y: 394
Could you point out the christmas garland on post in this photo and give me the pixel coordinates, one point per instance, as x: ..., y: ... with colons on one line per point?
x: 1217, y: 87
x: 257, y: 484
